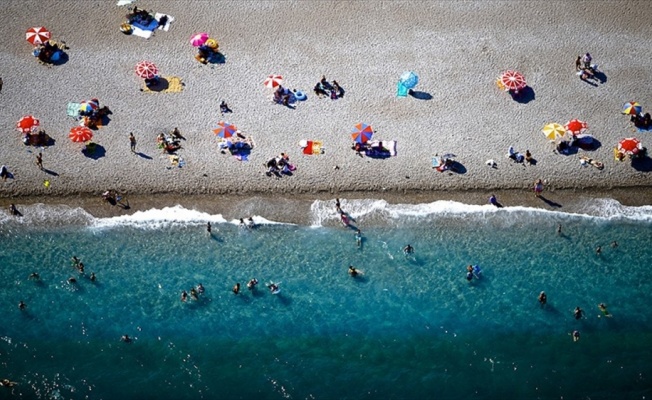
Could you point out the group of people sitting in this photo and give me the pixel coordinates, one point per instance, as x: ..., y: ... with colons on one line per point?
x: 237, y: 144
x: 642, y: 121
x: 93, y: 117
x: 207, y: 50
x: 371, y: 149
x: 332, y: 90
x: 518, y: 157
x: 284, y: 96
x: 50, y: 51
x: 39, y: 138
x: 279, y: 165
x: 169, y: 143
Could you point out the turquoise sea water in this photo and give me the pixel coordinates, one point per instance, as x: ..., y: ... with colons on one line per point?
x: 409, y: 328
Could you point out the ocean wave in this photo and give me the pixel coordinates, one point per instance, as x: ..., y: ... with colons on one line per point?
x: 323, y: 212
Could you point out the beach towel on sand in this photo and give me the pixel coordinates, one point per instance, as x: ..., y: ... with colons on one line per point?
x: 165, y: 27
x: 140, y: 32
x: 310, y: 147
x: 72, y: 110
x: 169, y: 84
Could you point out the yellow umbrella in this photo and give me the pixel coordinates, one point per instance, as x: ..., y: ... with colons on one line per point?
x: 554, y: 131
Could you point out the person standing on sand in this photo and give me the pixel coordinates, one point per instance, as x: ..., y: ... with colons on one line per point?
x: 578, y: 63
x: 132, y: 142
x: 39, y: 161
x: 538, y: 188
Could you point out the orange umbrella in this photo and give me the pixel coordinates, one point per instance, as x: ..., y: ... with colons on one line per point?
x: 80, y: 134
x: 27, y: 124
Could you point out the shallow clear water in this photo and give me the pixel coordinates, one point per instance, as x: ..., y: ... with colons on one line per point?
x: 408, y: 328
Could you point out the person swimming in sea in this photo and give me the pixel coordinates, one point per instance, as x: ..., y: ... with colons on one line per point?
x: 352, y: 271
x: 72, y: 280
x: 92, y: 277
x: 603, y: 308
x: 469, y: 276
x: 252, y: 283
x: 576, y: 336
x: 125, y: 338
x: 80, y: 267
x: 273, y: 287
x: 200, y: 288
x: 236, y: 288
x: 193, y: 294
x: 34, y: 276
x: 408, y: 250
x: 75, y: 261
x: 250, y: 223
x: 578, y: 312
x: 543, y: 298
x: 21, y: 305
x: 184, y: 296
x: 358, y: 237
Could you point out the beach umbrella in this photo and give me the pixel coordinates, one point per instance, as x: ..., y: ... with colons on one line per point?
x: 575, y: 127
x: 553, y: 131
x: 362, y: 133
x: 89, y: 106
x: 273, y: 81
x: 632, y: 108
x: 80, y: 134
x: 198, y: 39
x: 27, y: 124
x: 225, y: 130
x: 630, y: 146
x: 37, y: 35
x: 513, y: 80
x: 146, y: 70
x: 409, y: 79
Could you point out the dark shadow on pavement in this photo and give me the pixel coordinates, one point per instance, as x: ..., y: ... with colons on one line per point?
x: 96, y: 153
x: 643, y: 164
x: 50, y: 172
x: 143, y: 155
x: 525, y: 96
x: 550, y: 202
x: 420, y: 95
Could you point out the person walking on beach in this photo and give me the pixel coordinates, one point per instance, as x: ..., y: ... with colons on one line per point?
x: 39, y: 161
x: 538, y: 187
x: 132, y: 142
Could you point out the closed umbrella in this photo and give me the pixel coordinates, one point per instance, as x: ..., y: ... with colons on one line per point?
x: 146, y: 70
x: 37, y: 35
x: 362, y: 133
x: 80, y: 134
x: 27, y: 124
x: 554, y: 131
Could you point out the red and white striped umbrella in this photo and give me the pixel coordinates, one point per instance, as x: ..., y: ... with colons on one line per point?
x: 273, y: 81
x: 513, y: 80
x: 575, y: 127
x: 146, y: 70
x: 37, y: 35
x: 630, y: 146
x: 27, y: 124
x: 80, y: 134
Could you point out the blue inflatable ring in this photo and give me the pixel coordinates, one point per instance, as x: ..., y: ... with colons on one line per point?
x: 300, y: 95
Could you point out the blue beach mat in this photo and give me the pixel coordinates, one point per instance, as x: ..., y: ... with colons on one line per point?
x: 401, y: 91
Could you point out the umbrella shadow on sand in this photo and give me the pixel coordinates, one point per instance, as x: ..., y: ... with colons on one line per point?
x: 457, y: 167
x: 95, y: 152
x: 160, y: 85
x: 420, y: 95
x: 524, y: 96
x: 216, y: 58
x: 643, y: 164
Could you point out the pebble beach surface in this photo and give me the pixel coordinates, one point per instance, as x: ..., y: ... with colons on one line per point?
x: 457, y: 49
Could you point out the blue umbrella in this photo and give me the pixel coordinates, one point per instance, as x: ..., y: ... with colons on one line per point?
x: 409, y: 79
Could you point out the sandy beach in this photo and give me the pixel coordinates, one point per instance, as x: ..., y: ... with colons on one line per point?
x: 457, y: 49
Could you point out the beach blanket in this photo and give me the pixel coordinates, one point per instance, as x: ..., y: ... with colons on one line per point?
x: 169, y: 84
x: 401, y: 91
x: 72, y: 110
x: 165, y: 27
x: 140, y: 32
x: 124, y: 2
x: 310, y: 147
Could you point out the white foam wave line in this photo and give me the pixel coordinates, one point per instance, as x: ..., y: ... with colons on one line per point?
x: 598, y: 209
